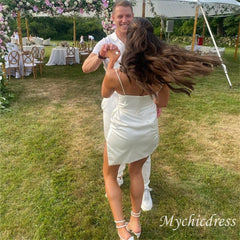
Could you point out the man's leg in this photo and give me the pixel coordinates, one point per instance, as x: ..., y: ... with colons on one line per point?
x: 147, y: 199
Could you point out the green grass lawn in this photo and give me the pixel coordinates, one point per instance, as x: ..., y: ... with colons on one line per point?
x: 51, y: 160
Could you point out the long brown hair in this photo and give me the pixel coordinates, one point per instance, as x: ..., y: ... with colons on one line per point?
x: 151, y: 62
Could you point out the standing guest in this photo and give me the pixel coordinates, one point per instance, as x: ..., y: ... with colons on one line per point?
x: 149, y: 68
x: 122, y: 16
x: 91, y: 38
x: 81, y: 39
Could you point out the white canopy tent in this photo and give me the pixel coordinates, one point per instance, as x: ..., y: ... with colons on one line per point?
x: 186, y: 8
x: 189, y: 8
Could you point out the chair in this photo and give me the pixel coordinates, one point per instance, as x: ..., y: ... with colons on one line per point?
x: 28, y: 63
x: 83, y: 47
x: 83, y: 51
x: 92, y: 44
x: 40, y: 61
x: 70, y: 55
x: 35, y: 52
x: 12, y: 63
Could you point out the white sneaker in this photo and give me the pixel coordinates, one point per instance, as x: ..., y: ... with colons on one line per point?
x: 147, y: 200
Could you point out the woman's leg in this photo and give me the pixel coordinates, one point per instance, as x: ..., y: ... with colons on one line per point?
x: 114, y: 193
x: 136, y: 192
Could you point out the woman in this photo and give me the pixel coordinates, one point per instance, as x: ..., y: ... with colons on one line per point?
x: 149, y: 68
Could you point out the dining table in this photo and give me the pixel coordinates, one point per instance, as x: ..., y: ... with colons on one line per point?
x: 58, y: 56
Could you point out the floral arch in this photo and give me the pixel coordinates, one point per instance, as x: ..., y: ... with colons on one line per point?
x: 16, y: 8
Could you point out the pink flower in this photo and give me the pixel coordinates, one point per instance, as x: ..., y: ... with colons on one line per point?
x: 105, y: 3
x: 1, y: 8
x: 60, y: 10
x: 48, y: 3
x: 35, y: 9
x: 81, y: 10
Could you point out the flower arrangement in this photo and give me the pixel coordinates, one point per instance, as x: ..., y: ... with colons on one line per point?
x: 4, y: 31
x: 64, y: 44
x: 55, y: 7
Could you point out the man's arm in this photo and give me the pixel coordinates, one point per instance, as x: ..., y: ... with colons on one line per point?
x: 92, y: 63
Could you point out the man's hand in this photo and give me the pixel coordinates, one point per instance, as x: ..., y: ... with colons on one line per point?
x: 105, y: 47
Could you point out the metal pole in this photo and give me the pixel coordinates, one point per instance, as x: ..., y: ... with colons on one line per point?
x: 216, y: 47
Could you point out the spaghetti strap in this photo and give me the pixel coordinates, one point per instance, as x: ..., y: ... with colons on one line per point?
x: 120, y: 81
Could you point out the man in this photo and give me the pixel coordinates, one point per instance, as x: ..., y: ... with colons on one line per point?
x: 122, y: 16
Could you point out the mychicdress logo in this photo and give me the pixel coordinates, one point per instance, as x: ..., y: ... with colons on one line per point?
x: 196, y: 221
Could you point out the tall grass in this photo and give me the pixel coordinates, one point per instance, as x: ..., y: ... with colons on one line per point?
x: 51, y: 160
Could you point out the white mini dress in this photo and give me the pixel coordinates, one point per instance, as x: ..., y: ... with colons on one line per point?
x: 133, y: 132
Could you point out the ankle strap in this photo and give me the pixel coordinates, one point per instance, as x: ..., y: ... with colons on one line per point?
x: 135, y: 214
x: 121, y: 226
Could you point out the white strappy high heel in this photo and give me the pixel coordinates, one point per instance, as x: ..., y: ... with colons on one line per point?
x: 136, y: 215
x: 122, y: 226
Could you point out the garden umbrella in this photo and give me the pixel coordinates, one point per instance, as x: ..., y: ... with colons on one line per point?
x: 189, y: 8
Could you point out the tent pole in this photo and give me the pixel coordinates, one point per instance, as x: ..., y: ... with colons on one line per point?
x: 161, y: 28
x: 237, y: 42
x: 195, y: 27
x: 216, y: 47
x: 19, y: 29
x: 26, y: 21
x: 74, y: 31
x: 143, y: 8
x: 203, y: 32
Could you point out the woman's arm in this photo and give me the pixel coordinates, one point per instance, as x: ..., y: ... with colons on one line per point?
x: 108, y: 85
x: 162, y: 97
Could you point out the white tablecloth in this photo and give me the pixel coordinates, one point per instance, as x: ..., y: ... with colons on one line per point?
x: 29, y: 48
x: 58, y: 56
